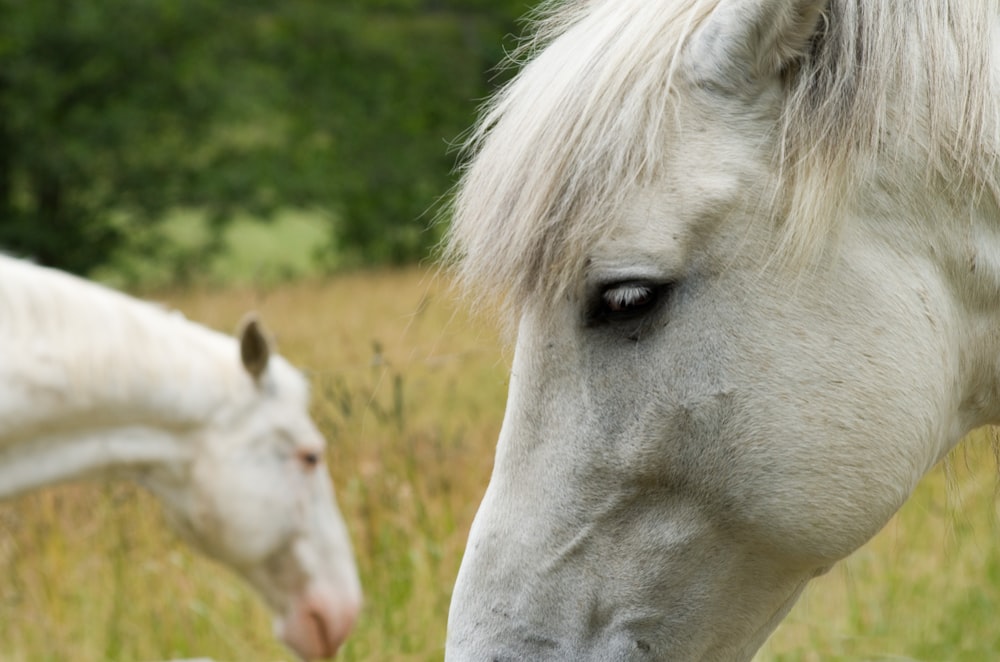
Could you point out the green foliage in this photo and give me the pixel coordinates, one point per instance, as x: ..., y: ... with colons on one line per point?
x: 115, y: 113
x: 90, y: 121
x: 390, y: 87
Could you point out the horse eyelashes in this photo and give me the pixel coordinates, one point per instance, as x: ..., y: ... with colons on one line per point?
x: 625, y: 301
x: 627, y: 297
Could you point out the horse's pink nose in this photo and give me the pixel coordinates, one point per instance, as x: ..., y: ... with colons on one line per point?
x: 318, y: 624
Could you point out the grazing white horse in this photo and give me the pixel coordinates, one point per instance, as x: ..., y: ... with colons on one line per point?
x: 95, y: 383
x: 752, y: 252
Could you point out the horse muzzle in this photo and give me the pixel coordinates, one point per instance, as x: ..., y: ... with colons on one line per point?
x: 318, y: 622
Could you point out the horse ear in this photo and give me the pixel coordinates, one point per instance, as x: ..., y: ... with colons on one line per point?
x: 255, y: 348
x: 745, y: 40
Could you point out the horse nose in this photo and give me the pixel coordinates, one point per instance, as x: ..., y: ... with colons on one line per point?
x: 317, y: 624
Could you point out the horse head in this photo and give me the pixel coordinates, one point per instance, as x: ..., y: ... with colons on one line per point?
x: 745, y: 325
x: 257, y: 496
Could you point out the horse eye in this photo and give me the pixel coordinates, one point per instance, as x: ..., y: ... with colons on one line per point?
x: 309, y: 459
x: 623, y: 298
x: 623, y: 301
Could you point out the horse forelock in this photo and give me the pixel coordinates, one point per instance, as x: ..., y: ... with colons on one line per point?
x: 565, y: 143
x: 586, y: 121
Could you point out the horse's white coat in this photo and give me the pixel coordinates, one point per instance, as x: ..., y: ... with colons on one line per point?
x: 800, y: 200
x: 94, y: 383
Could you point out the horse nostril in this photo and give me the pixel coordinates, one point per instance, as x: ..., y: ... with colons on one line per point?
x: 323, y: 634
x: 316, y: 633
x: 319, y: 621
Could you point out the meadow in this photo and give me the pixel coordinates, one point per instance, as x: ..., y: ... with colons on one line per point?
x: 409, y: 390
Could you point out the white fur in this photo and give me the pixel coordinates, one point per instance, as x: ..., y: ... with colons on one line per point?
x: 94, y: 383
x: 812, y: 189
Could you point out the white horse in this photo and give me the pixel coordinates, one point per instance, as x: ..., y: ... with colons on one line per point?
x: 752, y: 250
x: 95, y: 383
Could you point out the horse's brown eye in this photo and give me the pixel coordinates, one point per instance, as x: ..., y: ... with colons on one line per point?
x: 309, y: 459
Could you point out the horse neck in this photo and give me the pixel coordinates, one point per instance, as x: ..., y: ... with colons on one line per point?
x: 94, y: 382
x: 134, y: 452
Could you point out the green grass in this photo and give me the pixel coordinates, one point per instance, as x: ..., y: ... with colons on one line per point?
x: 410, y: 393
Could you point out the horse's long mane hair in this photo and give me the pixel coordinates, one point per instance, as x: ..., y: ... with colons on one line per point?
x: 72, y: 347
x: 588, y: 117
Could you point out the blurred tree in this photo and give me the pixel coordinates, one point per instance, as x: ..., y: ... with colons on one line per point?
x: 390, y: 89
x: 104, y: 107
x: 127, y: 109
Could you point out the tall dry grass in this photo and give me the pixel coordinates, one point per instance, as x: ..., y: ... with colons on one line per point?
x: 410, y: 391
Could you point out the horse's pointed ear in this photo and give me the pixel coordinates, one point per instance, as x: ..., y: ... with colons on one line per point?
x: 255, y: 348
x: 746, y: 40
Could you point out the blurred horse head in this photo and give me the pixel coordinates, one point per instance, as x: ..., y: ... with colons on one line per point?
x: 95, y: 383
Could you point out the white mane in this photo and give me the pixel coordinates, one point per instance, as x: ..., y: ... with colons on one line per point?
x: 586, y: 121
x: 75, y: 354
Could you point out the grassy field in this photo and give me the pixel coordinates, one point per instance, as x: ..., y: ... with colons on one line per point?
x: 410, y: 393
